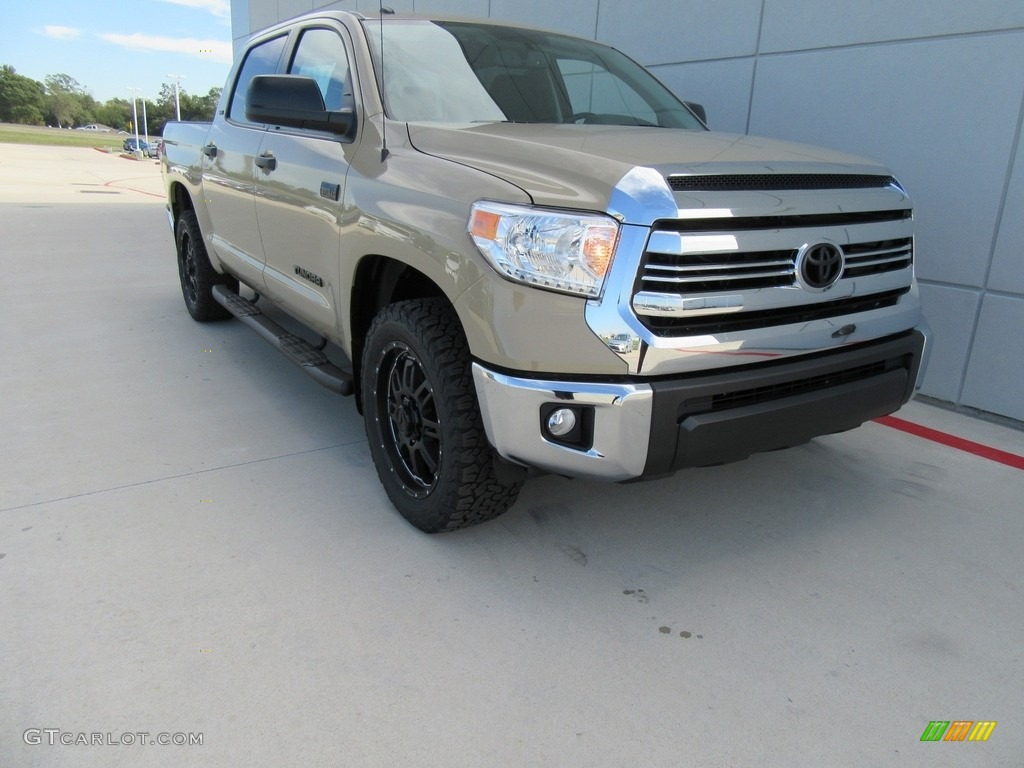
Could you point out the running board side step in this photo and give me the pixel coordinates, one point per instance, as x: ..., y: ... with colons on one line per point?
x: 310, y: 359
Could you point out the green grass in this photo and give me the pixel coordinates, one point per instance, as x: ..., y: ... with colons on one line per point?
x: 29, y: 134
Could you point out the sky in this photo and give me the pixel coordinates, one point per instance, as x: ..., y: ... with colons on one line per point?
x: 109, y: 46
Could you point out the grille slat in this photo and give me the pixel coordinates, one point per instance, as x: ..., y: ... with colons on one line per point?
x: 730, y: 224
x: 900, y: 260
x: 744, y: 321
x: 901, y: 253
x: 778, y: 181
x: 717, y: 267
x: 725, y: 279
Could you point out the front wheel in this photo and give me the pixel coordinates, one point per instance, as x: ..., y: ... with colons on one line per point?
x: 423, y: 419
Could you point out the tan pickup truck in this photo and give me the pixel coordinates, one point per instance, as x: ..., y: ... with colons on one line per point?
x: 522, y: 253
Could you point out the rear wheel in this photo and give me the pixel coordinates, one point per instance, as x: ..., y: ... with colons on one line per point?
x: 423, y: 419
x: 196, y: 273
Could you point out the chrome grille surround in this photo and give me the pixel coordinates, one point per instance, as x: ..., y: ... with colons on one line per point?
x: 707, y: 281
x: 689, y: 270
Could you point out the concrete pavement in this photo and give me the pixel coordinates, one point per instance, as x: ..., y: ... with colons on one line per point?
x: 50, y: 175
x: 193, y: 541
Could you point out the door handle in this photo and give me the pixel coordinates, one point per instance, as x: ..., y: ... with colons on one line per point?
x: 266, y: 161
x: 210, y: 150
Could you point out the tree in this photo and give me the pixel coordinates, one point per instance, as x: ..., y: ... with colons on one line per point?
x: 199, y: 107
x: 162, y: 111
x: 21, y: 98
x: 209, y: 103
x: 67, y: 101
x: 62, y: 101
x: 192, y: 107
x: 116, y: 113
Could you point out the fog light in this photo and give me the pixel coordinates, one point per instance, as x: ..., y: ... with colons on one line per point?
x: 561, y: 422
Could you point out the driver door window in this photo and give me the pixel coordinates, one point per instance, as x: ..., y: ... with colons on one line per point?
x: 321, y: 56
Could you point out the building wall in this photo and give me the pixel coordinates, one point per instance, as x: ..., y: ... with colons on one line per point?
x: 933, y: 88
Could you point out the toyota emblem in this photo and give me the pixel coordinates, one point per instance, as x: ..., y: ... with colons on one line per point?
x: 818, y: 266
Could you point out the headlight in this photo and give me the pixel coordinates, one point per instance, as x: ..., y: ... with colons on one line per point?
x: 548, y: 249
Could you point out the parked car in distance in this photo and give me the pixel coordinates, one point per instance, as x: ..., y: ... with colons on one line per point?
x: 133, y: 145
x: 621, y: 342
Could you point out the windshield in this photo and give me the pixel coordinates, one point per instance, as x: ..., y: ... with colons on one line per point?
x: 463, y: 72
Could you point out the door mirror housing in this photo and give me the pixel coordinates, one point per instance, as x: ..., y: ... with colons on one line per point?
x: 698, y: 110
x: 294, y: 101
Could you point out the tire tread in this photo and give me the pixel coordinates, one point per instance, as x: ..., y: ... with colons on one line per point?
x: 470, y: 493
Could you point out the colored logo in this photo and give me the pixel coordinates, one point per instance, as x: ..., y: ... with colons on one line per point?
x: 958, y: 730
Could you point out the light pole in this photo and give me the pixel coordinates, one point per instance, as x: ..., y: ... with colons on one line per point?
x: 145, y: 122
x: 135, y: 116
x: 177, y: 108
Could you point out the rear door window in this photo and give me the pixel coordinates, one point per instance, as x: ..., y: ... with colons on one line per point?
x: 262, y: 59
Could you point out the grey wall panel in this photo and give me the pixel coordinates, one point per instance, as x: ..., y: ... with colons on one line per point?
x: 1008, y: 264
x: 289, y: 9
x: 371, y: 6
x: 338, y: 5
x: 576, y: 17
x: 657, y: 32
x: 806, y: 24
x: 473, y: 8
x: 723, y: 87
x: 995, y: 376
x: 948, y: 139
x: 262, y: 15
x: 240, y: 21
x: 951, y: 313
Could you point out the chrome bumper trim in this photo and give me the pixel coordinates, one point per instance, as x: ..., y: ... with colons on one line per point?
x: 622, y: 424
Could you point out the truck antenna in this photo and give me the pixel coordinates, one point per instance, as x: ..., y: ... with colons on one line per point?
x: 384, y: 118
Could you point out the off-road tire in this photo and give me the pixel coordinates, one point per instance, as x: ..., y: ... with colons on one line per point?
x: 423, y: 420
x: 196, y: 273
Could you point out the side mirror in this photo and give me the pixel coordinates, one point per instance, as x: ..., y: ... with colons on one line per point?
x: 293, y: 101
x: 698, y: 110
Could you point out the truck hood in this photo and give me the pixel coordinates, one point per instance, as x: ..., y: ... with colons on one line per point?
x: 580, y: 166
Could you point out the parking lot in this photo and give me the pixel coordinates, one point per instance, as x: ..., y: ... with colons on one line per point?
x: 193, y: 541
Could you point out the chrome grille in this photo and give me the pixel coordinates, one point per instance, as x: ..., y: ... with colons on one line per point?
x: 705, y: 276
x: 674, y: 273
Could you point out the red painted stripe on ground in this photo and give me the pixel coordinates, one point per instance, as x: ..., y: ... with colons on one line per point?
x: 943, y: 438
x: 131, y: 189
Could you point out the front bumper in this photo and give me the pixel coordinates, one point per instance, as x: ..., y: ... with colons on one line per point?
x: 651, y: 428
x: 621, y: 427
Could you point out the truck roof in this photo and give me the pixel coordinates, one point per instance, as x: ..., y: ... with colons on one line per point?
x: 406, y: 16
